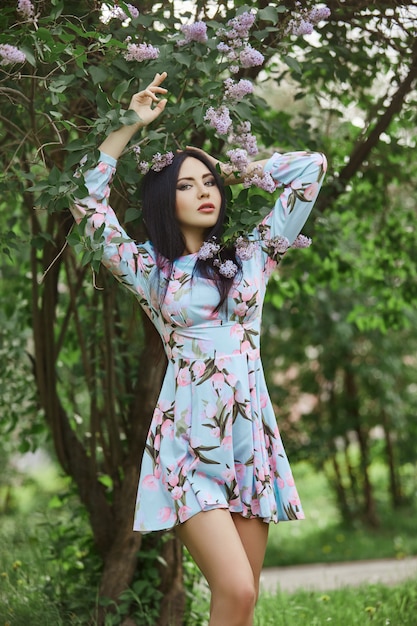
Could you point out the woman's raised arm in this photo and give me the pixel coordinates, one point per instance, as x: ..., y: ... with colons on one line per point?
x: 147, y: 106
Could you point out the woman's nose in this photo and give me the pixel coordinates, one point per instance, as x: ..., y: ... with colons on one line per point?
x: 203, y: 192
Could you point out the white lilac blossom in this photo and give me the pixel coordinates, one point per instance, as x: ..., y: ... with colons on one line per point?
x: 194, y: 32
x: 237, y: 90
x: 159, y: 161
x: 10, y: 55
x: 26, y: 9
x: 140, y: 52
x: 219, y: 119
x: 118, y: 13
x: 144, y: 167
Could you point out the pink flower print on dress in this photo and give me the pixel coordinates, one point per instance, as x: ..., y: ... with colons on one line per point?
x: 256, y: 507
x: 241, y: 309
x: 198, y: 368
x: 157, y: 442
x: 215, y: 432
x: 227, y: 443
x: 221, y: 362
x: 289, y: 479
x: 173, y: 480
x: 281, y: 483
x: 150, y: 482
x: 167, y: 429
x: 231, y: 379
x: 228, y: 474
x: 311, y: 192
x: 247, y: 293
x: 165, y: 514
x: 238, y: 331
x: 184, y: 377
x: 177, y: 493
x: 217, y: 380
x: 294, y: 498
x: 210, y: 411
x: 184, y: 513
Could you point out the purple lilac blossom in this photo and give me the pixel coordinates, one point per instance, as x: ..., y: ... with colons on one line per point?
x: 239, y: 158
x: 219, y: 119
x: 241, y: 24
x: 318, y: 14
x: 279, y: 244
x: 249, y: 57
x: 159, y: 161
x: 144, y: 167
x: 245, y: 249
x: 301, y: 242
x: 26, y: 9
x: 227, y: 269
x: 300, y: 27
x: 237, y: 91
x: 194, y: 32
x: 208, y: 250
x: 10, y: 54
x: 140, y: 52
x: 263, y: 181
x: 243, y: 138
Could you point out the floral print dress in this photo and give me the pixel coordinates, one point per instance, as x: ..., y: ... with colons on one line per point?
x: 213, y: 441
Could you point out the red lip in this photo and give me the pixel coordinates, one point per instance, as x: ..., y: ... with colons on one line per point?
x: 207, y: 206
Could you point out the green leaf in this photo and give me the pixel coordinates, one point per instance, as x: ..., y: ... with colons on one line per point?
x: 98, y: 73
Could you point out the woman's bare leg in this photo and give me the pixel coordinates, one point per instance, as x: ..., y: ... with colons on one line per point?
x: 254, y: 536
x: 214, y: 542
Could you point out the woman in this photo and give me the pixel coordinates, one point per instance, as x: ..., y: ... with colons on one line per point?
x: 214, y: 466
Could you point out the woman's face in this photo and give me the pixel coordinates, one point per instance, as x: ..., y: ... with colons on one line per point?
x: 198, y: 199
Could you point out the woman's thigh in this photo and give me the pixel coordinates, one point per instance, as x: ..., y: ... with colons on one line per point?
x: 213, y: 540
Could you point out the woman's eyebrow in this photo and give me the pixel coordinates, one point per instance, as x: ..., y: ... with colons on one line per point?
x: 192, y: 177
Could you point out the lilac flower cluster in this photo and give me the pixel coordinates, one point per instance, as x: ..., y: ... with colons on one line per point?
x: 236, y: 91
x: 245, y: 248
x: 26, y: 9
x: 208, y: 250
x: 10, y: 55
x: 304, y: 22
x: 235, y: 44
x: 219, y: 119
x: 228, y: 269
x: 140, y: 52
x: 159, y: 161
x: 238, y: 158
x: 301, y: 242
x: 118, y: 13
x: 243, y: 138
x: 261, y: 179
x: 193, y: 32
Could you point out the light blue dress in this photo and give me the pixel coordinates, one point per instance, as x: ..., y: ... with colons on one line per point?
x: 213, y: 441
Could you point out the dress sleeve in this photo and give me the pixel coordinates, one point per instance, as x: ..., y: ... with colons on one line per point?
x: 299, y: 175
x: 130, y: 264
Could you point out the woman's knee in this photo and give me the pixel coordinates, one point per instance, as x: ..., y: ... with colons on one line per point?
x: 239, y: 593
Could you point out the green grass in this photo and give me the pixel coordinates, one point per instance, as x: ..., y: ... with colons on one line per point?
x: 371, y: 604
x: 322, y: 537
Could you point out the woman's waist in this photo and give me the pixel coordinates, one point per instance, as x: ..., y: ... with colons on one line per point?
x: 211, y: 341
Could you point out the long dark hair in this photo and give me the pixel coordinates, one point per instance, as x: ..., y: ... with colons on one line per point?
x: 158, y: 209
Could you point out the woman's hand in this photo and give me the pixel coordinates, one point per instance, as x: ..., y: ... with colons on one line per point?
x: 147, y: 106
x: 142, y: 101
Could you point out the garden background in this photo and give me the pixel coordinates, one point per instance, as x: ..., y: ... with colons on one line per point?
x: 339, y: 342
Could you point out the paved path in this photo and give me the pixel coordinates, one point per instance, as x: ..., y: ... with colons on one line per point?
x: 327, y: 576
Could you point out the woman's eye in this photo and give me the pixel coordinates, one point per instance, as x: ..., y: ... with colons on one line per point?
x: 183, y: 187
x: 211, y: 183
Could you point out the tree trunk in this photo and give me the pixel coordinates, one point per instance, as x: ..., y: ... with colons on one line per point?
x: 395, y: 487
x: 352, y: 401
